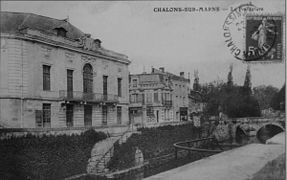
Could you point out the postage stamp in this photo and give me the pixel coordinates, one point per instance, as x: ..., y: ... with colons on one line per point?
x: 263, y: 40
x: 252, y: 35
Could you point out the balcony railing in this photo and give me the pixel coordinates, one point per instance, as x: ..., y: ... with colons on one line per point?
x: 167, y: 103
x: 90, y: 97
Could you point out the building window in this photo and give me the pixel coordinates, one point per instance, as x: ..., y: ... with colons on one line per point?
x: 141, y: 98
x: 61, y: 32
x: 119, y: 115
x: 135, y: 82
x: 149, y: 98
x: 105, y: 87
x: 46, y: 115
x: 120, y: 87
x: 88, y: 78
x: 104, y: 115
x: 46, y: 78
x: 156, y: 100
x: 70, y: 83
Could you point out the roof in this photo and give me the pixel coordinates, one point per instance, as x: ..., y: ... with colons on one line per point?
x: 152, y: 78
x: 171, y: 75
x: 12, y: 22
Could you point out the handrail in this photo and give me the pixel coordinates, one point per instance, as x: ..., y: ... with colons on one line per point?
x: 179, y: 145
x: 83, y: 96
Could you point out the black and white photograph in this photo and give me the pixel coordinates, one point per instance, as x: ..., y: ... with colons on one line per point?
x: 143, y: 90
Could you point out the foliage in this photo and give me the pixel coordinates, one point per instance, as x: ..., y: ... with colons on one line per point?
x: 231, y: 99
x: 196, y: 86
x: 278, y: 100
x: 47, y: 157
x: 235, y: 101
x: 230, y: 77
x: 247, y: 81
x: 153, y: 142
x: 264, y: 95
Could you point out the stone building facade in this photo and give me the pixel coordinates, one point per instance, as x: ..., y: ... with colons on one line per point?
x: 150, y: 99
x: 158, y: 97
x: 52, y: 75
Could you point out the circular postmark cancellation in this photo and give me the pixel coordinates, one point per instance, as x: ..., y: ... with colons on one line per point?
x: 253, y: 37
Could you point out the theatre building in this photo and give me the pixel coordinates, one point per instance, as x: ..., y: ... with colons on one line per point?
x: 52, y: 75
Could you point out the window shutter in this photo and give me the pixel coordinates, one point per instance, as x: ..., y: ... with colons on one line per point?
x: 39, y: 118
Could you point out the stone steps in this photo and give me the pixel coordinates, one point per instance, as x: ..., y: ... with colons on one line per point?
x: 103, y: 151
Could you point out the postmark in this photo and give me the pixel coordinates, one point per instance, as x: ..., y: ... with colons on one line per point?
x: 253, y: 36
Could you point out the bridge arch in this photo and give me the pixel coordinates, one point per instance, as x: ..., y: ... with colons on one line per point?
x: 267, y: 131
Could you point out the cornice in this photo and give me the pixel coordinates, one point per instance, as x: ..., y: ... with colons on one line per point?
x: 34, y: 38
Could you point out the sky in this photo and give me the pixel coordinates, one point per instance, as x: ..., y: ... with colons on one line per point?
x: 185, y: 41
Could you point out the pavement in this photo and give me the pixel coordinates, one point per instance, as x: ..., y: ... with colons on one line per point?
x: 236, y: 164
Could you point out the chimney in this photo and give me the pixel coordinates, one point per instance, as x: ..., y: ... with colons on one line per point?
x: 161, y: 69
x: 181, y: 74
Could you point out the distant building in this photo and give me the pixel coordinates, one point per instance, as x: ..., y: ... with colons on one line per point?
x: 158, y: 97
x: 55, y: 76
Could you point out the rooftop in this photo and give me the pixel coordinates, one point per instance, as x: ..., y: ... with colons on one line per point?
x: 14, y: 22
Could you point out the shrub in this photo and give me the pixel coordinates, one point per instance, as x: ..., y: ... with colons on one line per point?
x: 46, y: 157
x: 153, y: 142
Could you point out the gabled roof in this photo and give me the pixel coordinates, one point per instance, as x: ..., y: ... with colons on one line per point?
x: 12, y: 22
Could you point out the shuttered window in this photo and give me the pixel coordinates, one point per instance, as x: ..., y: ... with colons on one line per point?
x: 46, y: 115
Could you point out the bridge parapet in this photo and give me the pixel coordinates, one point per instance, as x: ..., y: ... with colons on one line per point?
x: 238, y: 128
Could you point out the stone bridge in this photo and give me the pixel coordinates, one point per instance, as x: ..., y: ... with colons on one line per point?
x: 240, y: 129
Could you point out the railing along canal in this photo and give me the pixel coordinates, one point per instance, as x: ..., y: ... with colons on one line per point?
x: 199, y: 145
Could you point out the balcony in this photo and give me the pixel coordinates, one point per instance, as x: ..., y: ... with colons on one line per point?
x: 167, y: 103
x: 89, y: 97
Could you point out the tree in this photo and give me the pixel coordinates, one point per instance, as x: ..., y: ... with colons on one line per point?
x: 264, y: 95
x: 234, y: 101
x: 278, y: 100
x: 196, y: 86
x: 247, y: 82
x: 229, y: 77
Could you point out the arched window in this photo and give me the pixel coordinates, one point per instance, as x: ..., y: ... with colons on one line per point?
x: 88, y: 78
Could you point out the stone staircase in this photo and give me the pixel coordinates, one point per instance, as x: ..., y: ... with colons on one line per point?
x: 103, y: 151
